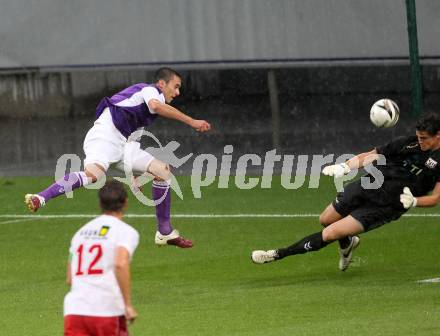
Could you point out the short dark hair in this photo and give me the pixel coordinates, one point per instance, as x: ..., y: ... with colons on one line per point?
x: 112, y: 196
x: 429, y: 123
x: 166, y: 74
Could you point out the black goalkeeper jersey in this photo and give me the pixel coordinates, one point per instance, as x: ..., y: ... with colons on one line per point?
x: 408, y: 166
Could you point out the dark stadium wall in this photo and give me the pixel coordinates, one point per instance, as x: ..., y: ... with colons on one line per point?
x: 322, y: 110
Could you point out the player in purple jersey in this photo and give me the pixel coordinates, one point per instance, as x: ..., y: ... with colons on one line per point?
x: 411, y: 177
x: 105, y: 143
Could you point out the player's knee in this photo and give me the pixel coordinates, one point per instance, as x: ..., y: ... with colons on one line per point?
x: 94, y: 172
x: 329, y: 235
x: 92, y: 177
x: 329, y: 216
x: 165, y: 173
x: 323, y: 219
x: 160, y: 170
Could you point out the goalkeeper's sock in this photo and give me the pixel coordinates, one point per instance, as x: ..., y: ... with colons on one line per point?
x: 344, y: 242
x: 314, y: 242
x: 68, y: 183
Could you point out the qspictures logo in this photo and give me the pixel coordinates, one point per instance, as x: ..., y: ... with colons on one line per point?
x: 208, y: 169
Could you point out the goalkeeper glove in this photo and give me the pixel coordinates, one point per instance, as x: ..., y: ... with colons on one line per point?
x: 407, y: 199
x: 337, y: 170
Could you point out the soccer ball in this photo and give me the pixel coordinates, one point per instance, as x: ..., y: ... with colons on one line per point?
x: 384, y: 113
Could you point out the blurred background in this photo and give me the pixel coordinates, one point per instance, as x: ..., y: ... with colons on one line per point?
x: 292, y: 75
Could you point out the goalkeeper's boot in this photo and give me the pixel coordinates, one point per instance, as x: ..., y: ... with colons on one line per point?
x: 346, y: 254
x: 172, y: 239
x: 263, y: 257
x: 34, y: 202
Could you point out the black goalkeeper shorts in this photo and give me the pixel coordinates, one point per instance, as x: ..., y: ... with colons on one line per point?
x: 371, y: 208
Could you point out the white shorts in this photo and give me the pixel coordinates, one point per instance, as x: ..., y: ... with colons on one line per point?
x: 105, y: 145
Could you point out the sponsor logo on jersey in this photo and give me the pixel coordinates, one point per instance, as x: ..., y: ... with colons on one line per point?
x: 96, y: 234
x: 104, y: 230
x: 431, y: 163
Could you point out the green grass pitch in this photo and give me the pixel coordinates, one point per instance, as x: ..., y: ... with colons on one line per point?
x: 214, y: 289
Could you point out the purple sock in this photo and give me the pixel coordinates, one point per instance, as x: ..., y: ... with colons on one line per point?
x: 163, y: 208
x: 68, y: 183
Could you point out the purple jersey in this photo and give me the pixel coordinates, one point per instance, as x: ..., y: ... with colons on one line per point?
x: 129, y: 108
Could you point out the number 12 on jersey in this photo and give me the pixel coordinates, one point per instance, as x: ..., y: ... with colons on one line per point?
x: 94, y: 253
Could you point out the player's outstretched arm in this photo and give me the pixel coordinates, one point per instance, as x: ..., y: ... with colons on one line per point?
x: 122, y: 273
x: 362, y: 160
x: 167, y: 111
x: 356, y: 162
x: 408, y: 200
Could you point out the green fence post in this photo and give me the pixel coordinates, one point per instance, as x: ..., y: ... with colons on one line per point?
x: 416, y: 74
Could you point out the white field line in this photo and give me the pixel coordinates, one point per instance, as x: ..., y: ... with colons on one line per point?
x: 248, y: 215
x: 173, y: 215
x: 434, y: 280
x: 17, y: 220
